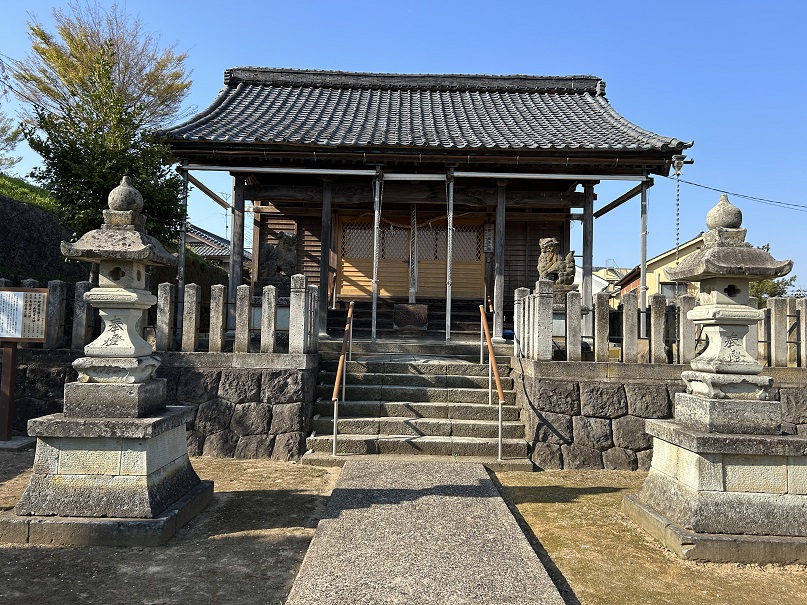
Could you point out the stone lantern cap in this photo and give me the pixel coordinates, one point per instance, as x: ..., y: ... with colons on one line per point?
x: 122, y: 237
x: 726, y: 253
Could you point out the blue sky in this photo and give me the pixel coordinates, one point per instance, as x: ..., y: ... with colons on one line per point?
x: 728, y: 75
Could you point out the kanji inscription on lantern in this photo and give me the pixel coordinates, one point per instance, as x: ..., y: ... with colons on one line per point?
x: 23, y: 313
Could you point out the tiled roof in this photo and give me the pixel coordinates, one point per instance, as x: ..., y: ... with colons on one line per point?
x: 365, y: 110
x: 210, y: 244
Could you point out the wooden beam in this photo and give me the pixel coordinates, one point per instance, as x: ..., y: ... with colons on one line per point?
x: 207, y: 191
x: 629, y: 195
x: 413, y: 193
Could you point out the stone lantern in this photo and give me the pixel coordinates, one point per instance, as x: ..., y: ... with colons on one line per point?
x: 724, y: 483
x: 117, y: 451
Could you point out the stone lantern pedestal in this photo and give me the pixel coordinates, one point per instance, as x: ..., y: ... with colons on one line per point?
x: 113, y: 468
x: 724, y: 483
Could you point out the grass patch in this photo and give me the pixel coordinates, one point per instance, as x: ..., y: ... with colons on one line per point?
x: 607, y: 560
x: 23, y: 191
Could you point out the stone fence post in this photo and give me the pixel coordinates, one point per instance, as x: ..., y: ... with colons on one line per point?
x: 801, y: 311
x: 543, y: 321
x: 243, y: 311
x: 57, y: 308
x: 268, y: 319
x: 658, y: 308
x: 190, y: 318
x: 218, y: 317
x: 686, y: 329
x: 166, y: 314
x: 82, y: 317
x: 630, y: 327
x: 778, y: 354
x: 573, y: 326
x: 297, y: 315
x: 601, y: 325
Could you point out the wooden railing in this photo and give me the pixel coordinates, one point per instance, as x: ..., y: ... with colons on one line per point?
x: 347, y: 346
x: 495, y: 370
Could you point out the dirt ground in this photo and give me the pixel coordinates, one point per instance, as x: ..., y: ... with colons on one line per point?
x: 244, y: 548
x: 607, y: 560
x: 248, y: 544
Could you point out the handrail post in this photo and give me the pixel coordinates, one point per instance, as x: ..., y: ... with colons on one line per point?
x: 340, y: 370
x: 495, y: 370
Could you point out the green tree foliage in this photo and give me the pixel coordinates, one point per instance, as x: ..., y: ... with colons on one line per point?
x: 770, y: 288
x: 10, y: 135
x: 94, y: 93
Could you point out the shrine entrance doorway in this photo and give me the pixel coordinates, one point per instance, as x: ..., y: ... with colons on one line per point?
x: 411, y: 258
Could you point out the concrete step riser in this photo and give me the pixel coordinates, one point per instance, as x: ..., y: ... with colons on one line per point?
x: 451, y: 411
x: 416, y: 427
x: 430, y: 369
x: 396, y: 393
x: 414, y: 380
x: 427, y: 446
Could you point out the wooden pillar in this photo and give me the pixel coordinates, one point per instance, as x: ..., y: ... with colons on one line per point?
x: 588, y: 256
x: 413, y: 253
x: 324, y: 256
x: 376, y: 246
x: 237, y: 241
x: 498, y: 266
x: 450, y: 253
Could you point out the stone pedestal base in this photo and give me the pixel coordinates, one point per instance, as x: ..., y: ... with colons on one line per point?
x: 93, y: 531
x: 751, y: 417
x: 109, y: 467
x: 719, y: 548
x: 104, y: 400
x: 714, y: 487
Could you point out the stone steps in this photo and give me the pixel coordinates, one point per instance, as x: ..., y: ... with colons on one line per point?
x: 418, y: 427
x: 417, y: 380
x: 418, y: 409
x: 429, y: 445
x: 325, y: 459
x: 434, y: 407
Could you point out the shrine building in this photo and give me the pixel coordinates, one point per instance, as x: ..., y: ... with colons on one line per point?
x: 404, y: 188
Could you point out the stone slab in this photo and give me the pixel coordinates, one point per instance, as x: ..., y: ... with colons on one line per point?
x: 721, y: 548
x: 56, y: 425
x: 742, y: 416
x: 724, y: 443
x: 110, y: 400
x: 469, y: 548
x: 17, y: 443
x: 218, y: 361
x: 90, y: 531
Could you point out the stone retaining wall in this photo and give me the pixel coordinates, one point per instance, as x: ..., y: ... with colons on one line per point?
x: 591, y: 415
x: 247, y: 405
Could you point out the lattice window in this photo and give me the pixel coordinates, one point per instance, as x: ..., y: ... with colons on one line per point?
x: 357, y: 240
x: 394, y: 243
x: 467, y: 243
x: 432, y: 242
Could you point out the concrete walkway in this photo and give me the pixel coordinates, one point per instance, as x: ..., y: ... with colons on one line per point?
x: 418, y: 533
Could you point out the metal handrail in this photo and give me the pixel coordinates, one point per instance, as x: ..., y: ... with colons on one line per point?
x: 347, y: 342
x: 495, y: 371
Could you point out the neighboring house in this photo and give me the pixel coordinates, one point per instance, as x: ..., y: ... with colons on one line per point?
x: 657, y: 280
x: 611, y: 275
x: 211, y: 247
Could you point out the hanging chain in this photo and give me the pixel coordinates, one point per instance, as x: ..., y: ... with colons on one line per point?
x: 678, y: 163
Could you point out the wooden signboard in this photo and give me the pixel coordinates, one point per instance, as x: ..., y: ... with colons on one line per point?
x: 23, y: 317
x: 23, y: 314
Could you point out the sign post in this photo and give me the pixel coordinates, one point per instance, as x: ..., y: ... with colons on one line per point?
x: 23, y: 316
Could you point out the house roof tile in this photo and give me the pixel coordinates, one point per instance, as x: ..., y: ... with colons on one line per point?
x: 367, y: 110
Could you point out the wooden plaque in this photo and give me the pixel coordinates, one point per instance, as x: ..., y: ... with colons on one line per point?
x: 23, y: 314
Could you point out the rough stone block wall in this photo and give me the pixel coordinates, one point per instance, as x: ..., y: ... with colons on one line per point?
x: 241, y: 412
x: 592, y: 416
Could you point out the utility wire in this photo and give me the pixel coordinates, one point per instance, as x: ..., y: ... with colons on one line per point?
x: 761, y: 200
